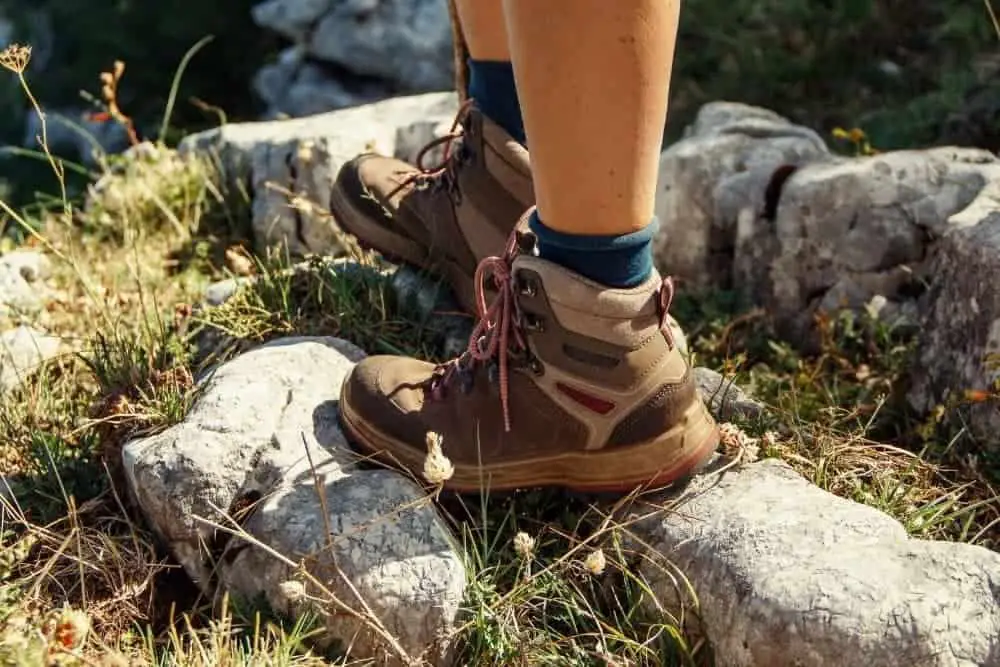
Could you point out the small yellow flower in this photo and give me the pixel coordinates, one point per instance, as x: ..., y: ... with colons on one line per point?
x: 437, y: 467
x: 524, y: 545
x: 595, y: 562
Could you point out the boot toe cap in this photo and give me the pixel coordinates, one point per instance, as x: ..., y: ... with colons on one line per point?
x: 371, y: 175
x: 382, y: 393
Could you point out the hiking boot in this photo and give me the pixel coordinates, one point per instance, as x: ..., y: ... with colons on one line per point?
x: 565, y: 383
x: 447, y: 218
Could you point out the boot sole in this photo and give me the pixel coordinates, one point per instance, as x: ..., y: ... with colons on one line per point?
x: 675, y: 455
x: 399, y: 249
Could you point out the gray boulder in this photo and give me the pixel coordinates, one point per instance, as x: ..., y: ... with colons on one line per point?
x: 22, y: 276
x: 848, y: 231
x: 958, y: 349
x: 22, y: 351
x: 749, y: 201
x: 262, y: 449
x: 354, y: 51
x: 288, y: 166
x: 788, y: 575
x: 717, y: 176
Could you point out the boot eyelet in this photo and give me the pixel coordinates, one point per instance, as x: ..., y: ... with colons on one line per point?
x: 536, y: 367
x: 534, y: 323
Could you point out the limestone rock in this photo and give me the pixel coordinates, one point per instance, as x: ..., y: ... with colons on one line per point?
x: 849, y: 230
x: 222, y: 291
x: 404, y: 42
x: 752, y: 202
x: 959, y: 337
x: 293, y: 86
x: 348, y: 52
x: 788, y: 575
x: 247, y: 443
x: 22, y: 351
x: 288, y: 166
x: 717, y: 174
x: 31, y: 265
x: 16, y: 293
x: 22, y: 273
x: 724, y: 397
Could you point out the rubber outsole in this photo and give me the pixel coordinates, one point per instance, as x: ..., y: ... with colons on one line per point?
x: 688, y: 447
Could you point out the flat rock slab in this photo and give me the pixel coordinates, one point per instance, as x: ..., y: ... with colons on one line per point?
x: 288, y: 166
x: 370, y: 536
x: 787, y: 574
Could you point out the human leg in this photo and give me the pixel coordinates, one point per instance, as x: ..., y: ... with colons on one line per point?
x: 569, y: 380
x: 447, y: 218
x: 595, y: 170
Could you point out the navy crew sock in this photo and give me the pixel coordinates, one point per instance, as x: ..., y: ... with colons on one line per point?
x: 491, y: 85
x: 623, y: 261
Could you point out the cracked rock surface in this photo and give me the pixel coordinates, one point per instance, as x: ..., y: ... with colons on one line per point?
x: 288, y: 166
x: 788, y: 575
x: 349, y: 52
x: 263, y: 436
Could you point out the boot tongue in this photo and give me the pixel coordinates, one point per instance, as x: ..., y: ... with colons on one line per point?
x: 504, y: 158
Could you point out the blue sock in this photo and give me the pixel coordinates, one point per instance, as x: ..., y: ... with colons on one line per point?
x: 491, y: 85
x: 615, y: 261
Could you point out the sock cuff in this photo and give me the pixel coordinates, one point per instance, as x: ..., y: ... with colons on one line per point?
x: 491, y: 66
x: 593, y: 243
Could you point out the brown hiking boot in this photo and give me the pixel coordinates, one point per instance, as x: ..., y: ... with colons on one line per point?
x: 567, y: 383
x: 444, y: 219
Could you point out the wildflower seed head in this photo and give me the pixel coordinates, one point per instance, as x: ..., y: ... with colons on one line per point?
x: 736, y: 443
x: 69, y: 628
x: 524, y: 545
x: 293, y: 591
x: 437, y: 467
x: 595, y: 562
x: 15, y: 58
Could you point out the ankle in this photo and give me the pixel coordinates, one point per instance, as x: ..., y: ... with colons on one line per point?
x: 622, y: 261
x: 491, y: 86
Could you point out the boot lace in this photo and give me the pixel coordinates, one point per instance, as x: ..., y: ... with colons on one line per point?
x: 499, y: 335
x: 443, y: 175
